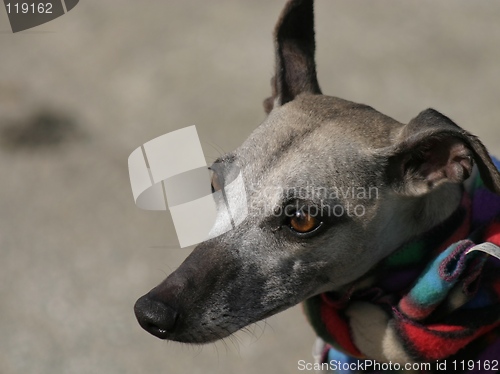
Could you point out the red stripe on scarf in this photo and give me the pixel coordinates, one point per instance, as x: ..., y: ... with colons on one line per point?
x: 436, y: 342
x: 338, y: 327
x: 493, y: 234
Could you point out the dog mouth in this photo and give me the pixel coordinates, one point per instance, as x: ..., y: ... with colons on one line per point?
x: 167, y: 323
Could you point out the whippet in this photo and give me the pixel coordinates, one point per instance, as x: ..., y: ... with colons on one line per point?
x: 334, y: 188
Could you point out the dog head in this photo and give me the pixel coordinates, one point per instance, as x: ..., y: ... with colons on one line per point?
x: 332, y: 186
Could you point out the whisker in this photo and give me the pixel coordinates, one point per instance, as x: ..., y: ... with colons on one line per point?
x: 217, y: 149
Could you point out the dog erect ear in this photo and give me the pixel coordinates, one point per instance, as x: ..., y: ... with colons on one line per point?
x: 295, y: 70
x: 434, y: 150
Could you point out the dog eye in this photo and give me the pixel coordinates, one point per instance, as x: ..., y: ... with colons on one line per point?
x: 303, y: 222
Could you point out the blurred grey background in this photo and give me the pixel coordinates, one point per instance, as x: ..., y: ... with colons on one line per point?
x: 78, y: 94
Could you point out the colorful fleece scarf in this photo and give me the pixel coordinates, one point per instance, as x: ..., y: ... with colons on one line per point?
x: 426, y: 302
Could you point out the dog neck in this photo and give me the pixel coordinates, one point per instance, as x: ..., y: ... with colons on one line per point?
x: 421, y: 283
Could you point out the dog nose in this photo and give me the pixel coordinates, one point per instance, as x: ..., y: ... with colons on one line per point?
x: 155, y: 317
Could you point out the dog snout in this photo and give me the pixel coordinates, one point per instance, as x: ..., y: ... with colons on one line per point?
x: 156, y: 317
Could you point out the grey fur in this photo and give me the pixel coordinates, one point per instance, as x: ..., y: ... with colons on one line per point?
x: 310, y: 141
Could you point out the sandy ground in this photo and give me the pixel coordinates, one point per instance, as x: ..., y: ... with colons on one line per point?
x: 77, y: 95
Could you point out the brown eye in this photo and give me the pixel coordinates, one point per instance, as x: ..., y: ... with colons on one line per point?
x: 303, y: 222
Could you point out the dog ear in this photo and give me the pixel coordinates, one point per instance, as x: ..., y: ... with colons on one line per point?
x: 295, y: 70
x: 434, y: 150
